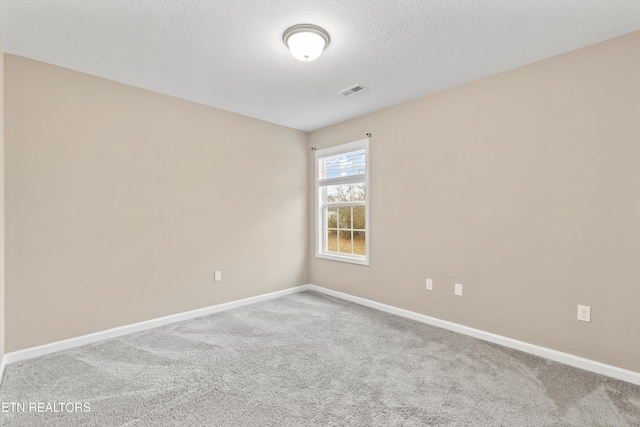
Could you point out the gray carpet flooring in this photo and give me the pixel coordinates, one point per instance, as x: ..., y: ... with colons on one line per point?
x: 310, y: 360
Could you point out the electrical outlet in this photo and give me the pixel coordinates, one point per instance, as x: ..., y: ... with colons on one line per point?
x: 429, y: 284
x: 584, y: 313
x: 217, y: 276
x: 458, y: 290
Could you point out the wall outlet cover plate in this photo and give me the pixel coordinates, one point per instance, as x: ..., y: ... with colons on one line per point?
x: 458, y: 290
x: 584, y: 313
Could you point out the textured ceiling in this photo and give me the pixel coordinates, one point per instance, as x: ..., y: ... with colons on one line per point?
x: 229, y: 53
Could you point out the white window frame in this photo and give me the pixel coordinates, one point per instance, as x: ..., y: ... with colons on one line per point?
x: 320, y: 211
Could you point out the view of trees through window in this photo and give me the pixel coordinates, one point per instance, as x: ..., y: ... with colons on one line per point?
x: 345, y: 218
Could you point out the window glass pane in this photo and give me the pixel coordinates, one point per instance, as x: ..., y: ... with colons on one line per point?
x: 335, y: 193
x: 359, y: 243
x: 338, y: 193
x: 332, y: 241
x: 345, y: 164
x: 332, y: 217
x: 359, y: 217
x: 344, y: 242
x: 359, y: 192
x: 346, y: 193
x: 344, y: 216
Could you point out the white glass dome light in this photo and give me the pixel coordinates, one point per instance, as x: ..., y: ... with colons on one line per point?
x: 306, y: 41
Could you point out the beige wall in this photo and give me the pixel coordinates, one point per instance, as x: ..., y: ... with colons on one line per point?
x: 524, y: 187
x: 2, y: 308
x: 121, y: 203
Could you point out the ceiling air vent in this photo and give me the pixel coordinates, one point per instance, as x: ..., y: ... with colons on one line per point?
x: 351, y: 90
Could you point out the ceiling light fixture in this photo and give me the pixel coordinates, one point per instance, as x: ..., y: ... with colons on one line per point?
x: 306, y: 41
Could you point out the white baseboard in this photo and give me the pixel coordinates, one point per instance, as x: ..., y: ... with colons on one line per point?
x: 557, y: 356
x: 2, y: 363
x: 566, y: 358
x: 53, y: 347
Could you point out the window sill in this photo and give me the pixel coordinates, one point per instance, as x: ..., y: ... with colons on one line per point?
x: 343, y: 258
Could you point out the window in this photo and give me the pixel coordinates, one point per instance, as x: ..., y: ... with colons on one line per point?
x: 342, y: 210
